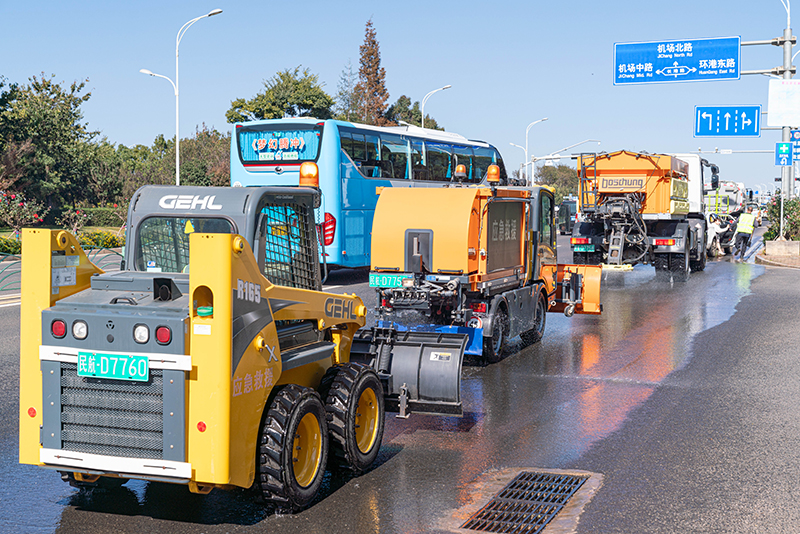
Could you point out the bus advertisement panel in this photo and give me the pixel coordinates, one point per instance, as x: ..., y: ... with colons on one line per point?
x: 353, y: 160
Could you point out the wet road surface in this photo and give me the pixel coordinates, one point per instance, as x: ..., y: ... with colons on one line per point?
x: 551, y: 405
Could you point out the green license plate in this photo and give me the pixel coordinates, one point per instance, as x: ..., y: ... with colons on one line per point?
x: 583, y: 248
x: 113, y: 366
x: 387, y: 279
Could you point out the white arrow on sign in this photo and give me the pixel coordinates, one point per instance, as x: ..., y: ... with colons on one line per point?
x: 745, y: 120
x: 707, y: 116
x: 727, y: 120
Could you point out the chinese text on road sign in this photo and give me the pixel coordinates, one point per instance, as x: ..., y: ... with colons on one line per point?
x: 689, y: 60
x: 727, y: 121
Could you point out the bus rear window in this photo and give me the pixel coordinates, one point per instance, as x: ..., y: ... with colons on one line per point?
x: 269, y: 143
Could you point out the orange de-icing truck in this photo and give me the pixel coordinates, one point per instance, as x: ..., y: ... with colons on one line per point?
x: 478, y: 260
x: 641, y: 208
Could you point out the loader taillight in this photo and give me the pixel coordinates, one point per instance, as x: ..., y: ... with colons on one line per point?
x: 479, y: 307
x: 32, y: 411
x: 201, y: 426
x: 579, y: 240
x: 666, y: 242
x: 163, y: 335
x: 328, y: 229
x: 58, y: 328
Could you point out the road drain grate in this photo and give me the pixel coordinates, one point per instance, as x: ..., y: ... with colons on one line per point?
x: 527, y: 504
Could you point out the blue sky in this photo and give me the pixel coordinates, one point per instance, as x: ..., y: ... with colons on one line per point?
x: 509, y: 64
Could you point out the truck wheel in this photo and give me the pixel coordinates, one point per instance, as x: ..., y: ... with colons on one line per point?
x: 354, y: 406
x: 535, y: 334
x: 661, y: 262
x: 493, y: 346
x: 293, y: 448
x: 700, y: 264
x: 679, y: 266
x: 579, y: 258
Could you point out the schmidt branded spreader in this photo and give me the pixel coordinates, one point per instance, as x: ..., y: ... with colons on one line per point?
x: 475, y: 260
x: 213, y: 359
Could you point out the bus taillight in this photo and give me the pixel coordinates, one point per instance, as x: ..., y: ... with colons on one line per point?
x: 328, y: 229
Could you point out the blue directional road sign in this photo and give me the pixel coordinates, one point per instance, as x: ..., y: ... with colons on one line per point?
x: 796, y: 145
x: 727, y: 121
x: 783, y: 154
x: 689, y: 60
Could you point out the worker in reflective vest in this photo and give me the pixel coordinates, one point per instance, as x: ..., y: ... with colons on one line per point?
x: 744, y: 231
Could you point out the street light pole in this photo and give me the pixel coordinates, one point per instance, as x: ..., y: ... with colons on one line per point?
x: 425, y: 99
x: 529, y: 182
x: 522, y: 165
x: 175, y: 86
x: 787, y: 180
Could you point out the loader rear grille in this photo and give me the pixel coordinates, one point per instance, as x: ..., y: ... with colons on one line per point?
x: 291, y: 253
x: 112, y: 417
x: 527, y: 504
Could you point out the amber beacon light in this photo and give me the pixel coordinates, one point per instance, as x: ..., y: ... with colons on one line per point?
x: 309, y: 174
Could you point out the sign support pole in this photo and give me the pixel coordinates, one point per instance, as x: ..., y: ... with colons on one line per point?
x: 787, y: 180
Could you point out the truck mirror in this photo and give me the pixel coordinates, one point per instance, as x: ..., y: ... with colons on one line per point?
x: 714, y: 181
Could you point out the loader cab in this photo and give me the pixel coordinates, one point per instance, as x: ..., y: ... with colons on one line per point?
x: 542, y: 224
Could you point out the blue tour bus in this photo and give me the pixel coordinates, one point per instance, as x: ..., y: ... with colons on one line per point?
x: 353, y: 160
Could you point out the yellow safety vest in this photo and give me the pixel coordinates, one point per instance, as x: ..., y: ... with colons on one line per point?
x: 746, y: 223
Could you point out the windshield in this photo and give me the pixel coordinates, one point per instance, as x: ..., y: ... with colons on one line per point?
x: 272, y: 143
x: 163, y: 243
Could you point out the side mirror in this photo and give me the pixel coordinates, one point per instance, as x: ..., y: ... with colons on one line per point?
x: 714, y: 181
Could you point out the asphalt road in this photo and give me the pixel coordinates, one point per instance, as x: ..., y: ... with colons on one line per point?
x: 680, y: 398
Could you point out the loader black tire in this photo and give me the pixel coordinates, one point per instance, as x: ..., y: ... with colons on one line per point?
x: 494, y: 346
x: 661, y: 262
x: 535, y: 334
x: 354, y: 405
x: 293, y: 448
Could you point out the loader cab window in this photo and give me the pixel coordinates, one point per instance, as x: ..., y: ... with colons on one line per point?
x: 547, y: 234
x: 163, y: 242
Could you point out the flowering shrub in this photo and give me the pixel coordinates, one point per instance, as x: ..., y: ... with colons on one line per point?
x: 101, y: 240
x: 73, y: 219
x: 10, y: 245
x: 791, y: 219
x: 16, y: 212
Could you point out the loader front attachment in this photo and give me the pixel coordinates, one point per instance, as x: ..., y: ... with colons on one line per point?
x: 420, y: 371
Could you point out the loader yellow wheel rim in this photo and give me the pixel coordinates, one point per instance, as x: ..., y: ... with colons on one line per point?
x: 307, y: 450
x: 366, y: 420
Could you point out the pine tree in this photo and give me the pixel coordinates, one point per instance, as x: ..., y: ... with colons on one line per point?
x: 371, y: 87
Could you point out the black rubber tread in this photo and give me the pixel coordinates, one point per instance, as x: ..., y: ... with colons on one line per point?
x: 661, y: 262
x: 341, y: 387
x: 579, y: 258
x: 594, y: 258
x: 275, y: 477
x: 535, y: 334
x: 493, y: 346
x: 678, y: 267
x: 698, y: 265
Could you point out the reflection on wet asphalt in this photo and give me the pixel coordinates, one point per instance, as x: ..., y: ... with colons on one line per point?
x: 543, y: 405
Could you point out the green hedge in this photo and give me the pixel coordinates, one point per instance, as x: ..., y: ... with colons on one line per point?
x: 10, y: 245
x: 102, y: 217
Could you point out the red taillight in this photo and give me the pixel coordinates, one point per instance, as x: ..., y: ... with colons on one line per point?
x: 579, y: 240
x: 32, y: 411
x: 328, y: 229
x: 479, y: 307
x: 201, y: 426
x: 667, y: 242
x: 58, y: 328
x: 163, y: 335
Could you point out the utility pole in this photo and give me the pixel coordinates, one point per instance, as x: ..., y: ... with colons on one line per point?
x: 787, y: 174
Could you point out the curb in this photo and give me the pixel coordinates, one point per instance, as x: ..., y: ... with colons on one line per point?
x: 762, y: 260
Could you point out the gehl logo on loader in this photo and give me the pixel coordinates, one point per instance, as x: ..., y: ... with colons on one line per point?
x: 189, y: 202
x: 339, y: 308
